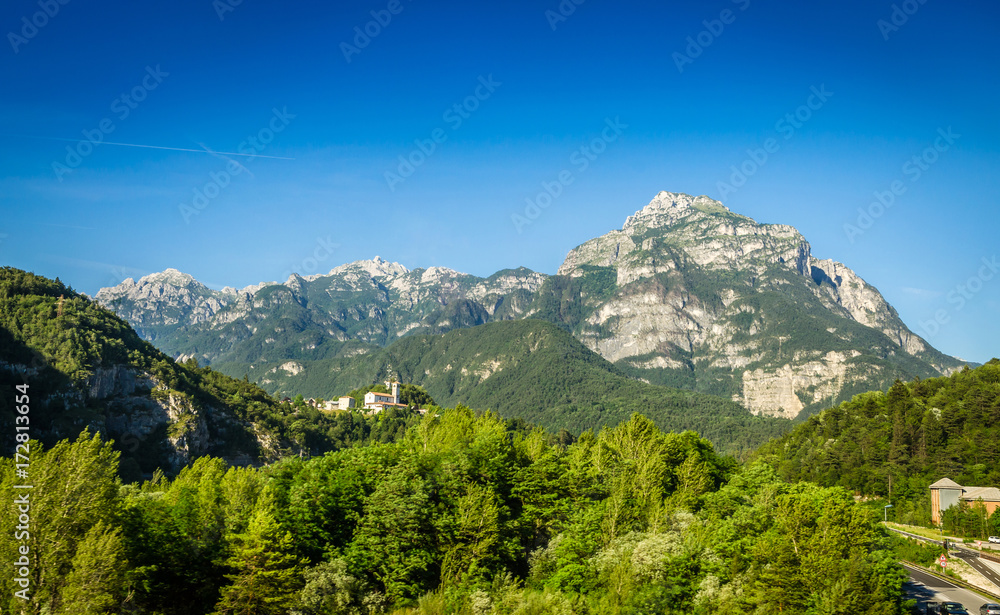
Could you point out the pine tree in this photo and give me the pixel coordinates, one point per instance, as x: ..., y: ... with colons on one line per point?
x: 95, y: 584
x: 266, y: 575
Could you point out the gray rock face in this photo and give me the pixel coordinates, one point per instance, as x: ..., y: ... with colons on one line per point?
x: 744, y: 307
x: 137, y: 411
x: 116, y: 381
x: 686, y: 293
x: 169, y: 298
x: 867, y: 306
x: 708, y: 234
x: 136, y: 421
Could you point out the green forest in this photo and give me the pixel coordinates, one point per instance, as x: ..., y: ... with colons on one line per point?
x: 464, y: 513
x: 895, y: 444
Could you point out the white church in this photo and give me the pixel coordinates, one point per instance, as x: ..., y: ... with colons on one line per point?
x: 382, y: 401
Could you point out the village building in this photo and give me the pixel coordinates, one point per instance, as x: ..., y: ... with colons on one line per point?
x: 382, y: 401
x: 345, y: 403
x: 947, y: 493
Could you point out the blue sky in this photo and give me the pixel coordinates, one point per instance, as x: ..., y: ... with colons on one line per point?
x: 695, y: 88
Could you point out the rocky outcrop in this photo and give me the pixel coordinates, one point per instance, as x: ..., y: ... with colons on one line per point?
x: 141, y: 421
x: 134, y: 409
x: 647, y: 319
x: 117, y: 380
x: 788, y: 389
x: 844, y: 288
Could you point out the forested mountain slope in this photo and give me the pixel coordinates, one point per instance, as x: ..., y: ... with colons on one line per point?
x: 86, y: 368
x: 912, y: 435
x: 527, y: 369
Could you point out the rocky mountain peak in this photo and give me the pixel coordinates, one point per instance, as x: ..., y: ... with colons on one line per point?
x: 246, y: 291
x: 376, y: 267
x: 163, y: 283
x: 295, y: 282
x: 166, y: 297
x: 436, y: 274
x: 666, y: 208
x: 703, y: 229
x: 169, y: 277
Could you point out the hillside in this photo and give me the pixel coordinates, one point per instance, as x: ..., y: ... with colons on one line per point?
x: 687, y: 294
x: 86, y: 368
x: 915, y: 434
x: 528, y: 369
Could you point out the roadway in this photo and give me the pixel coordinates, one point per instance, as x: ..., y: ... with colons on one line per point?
x: 926, y: 588
x: 970, y: 558
x: 966, y: 555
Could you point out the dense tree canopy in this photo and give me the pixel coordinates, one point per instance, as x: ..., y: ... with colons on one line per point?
x: 464, y: 513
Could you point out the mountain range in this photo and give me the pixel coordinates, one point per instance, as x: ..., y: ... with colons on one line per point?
x: 687, y: 294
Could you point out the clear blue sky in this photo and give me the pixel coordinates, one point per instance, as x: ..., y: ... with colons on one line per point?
x: 176, y: 75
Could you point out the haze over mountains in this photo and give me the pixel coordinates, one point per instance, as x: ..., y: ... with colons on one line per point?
x: 686, y: 294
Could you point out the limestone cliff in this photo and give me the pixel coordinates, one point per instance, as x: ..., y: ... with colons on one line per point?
x: 741, y: 308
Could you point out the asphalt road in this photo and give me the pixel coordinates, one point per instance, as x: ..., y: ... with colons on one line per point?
x: 970, y: 558
x: 928, y: 588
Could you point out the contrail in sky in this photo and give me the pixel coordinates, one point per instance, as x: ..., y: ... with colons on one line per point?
x: 226, y: 158
x: 176, y: 149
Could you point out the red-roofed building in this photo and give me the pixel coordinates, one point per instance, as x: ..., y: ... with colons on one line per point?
x: 381, y: 401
